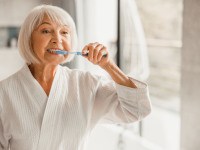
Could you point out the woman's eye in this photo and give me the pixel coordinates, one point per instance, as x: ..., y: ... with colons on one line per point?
x: 65, y: 32
x: 45, y: 31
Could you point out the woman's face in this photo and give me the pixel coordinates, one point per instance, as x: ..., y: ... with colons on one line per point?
x: 49, y: 35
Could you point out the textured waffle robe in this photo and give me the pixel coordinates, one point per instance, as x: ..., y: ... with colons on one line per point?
x: 78, y: 100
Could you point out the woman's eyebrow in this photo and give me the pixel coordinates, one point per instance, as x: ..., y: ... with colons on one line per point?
x: 45, y: 23
x: 66, y: 27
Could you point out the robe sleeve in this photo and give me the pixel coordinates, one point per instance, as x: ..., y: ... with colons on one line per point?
x: 115, y: 103
x: 3, y: 141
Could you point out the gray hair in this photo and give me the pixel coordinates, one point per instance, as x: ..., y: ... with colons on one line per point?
x: 33, y: 20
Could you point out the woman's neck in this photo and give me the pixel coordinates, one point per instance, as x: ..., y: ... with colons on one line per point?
x: 44, y: 74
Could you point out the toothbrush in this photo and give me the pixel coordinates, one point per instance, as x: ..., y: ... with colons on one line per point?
x: 63, y: 52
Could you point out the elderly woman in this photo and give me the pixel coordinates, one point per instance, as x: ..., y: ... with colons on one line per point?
x: 45, y: 106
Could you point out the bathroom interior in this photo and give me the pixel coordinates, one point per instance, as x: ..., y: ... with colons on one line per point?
x: 154, y: 41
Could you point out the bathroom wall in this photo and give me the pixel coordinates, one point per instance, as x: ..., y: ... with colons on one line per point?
x: 10, y: 62
x: 12, y: 14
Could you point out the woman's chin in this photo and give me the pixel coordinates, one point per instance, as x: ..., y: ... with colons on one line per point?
x: 55, y: 59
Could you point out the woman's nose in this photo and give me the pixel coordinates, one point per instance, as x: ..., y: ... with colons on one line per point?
x: 56, y: 39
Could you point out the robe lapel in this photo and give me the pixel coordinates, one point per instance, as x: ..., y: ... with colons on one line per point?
x: 52, y: 110
x: 36, y: 91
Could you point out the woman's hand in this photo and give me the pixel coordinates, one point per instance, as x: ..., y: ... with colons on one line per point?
x: 96, y: 52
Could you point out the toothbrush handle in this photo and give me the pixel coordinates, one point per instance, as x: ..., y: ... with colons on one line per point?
x: 77, y: 53
x: 85, y: 54
x: 105, y: 55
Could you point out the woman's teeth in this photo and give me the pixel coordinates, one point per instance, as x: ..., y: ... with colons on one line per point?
x: 51, y: 50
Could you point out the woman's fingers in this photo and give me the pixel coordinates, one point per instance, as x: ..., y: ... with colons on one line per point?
x: 90, y: 53
x: 85, y: 50
x: 101, y: 53
x: 96, y: 52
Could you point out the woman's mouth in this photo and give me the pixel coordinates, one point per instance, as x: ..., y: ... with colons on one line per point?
x: 53, y: 51
x: 57, y: 51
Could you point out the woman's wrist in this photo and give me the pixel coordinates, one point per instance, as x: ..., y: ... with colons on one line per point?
x: 117, y: 75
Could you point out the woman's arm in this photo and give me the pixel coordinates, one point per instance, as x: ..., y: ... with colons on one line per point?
x: 115, y: 103
x: 123, y: 102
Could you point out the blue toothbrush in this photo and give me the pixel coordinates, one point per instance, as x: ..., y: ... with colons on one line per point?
x: 63, y: 52
x: 66, y: 52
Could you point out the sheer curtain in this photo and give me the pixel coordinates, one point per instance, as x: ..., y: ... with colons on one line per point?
x: 133, y: 49
x: 96, y: 22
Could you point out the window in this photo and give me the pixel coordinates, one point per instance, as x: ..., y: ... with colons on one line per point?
x: 150, y: 50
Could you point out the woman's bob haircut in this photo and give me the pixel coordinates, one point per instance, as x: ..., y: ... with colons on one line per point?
x: 33, y: 20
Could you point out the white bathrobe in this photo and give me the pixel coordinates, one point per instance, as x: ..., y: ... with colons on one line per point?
x: 78, y: 100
